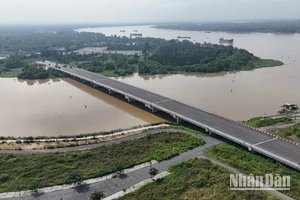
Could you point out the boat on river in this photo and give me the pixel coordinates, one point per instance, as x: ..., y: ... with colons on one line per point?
x: 226, y: 41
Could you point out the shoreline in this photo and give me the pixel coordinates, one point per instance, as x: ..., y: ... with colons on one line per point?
x: 224, y: 31
x: 261, y: 61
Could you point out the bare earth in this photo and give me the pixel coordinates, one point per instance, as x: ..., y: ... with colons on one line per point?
x: 90, y: 50
x: 60, y: 144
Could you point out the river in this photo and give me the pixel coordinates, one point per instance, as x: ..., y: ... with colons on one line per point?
x: 62, y: 107
x: 44, y: 108
x: 239, y: 96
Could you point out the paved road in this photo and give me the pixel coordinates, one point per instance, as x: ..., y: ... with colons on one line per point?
x: 246, y: 136
x: 236, y: 171
x: 113, y: 186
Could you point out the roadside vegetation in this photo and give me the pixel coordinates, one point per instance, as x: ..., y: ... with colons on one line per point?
x: 194, y: 179
x: 291, y: 132
x: 286, y: 111
x: 263, y: 122
x: 255, y: 164
x: 19, y: 171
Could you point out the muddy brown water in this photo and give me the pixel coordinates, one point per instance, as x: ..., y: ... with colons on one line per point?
x: 45, y: 108
x: 57, y: 107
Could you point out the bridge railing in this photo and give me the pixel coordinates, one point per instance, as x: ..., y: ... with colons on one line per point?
x: 276, y: 157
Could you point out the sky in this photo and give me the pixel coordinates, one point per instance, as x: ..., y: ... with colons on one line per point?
x: 132, y: 11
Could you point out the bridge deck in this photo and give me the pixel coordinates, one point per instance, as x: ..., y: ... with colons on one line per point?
x: 117, y: 85
x: 278, y: 149
x: 242, y: 132
x: 283, y: 149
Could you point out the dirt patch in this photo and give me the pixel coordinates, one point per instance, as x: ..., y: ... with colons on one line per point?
x: 90, y: 50
x: 60, y: 144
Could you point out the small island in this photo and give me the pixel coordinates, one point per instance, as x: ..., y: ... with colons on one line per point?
x: 125, y: 56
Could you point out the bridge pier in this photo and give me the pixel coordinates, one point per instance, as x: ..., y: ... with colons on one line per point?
x: 129, y: 100
x: 250, y: 149
x: 208, y: 131
x: 178, y: 120
x: 154, y: 110
x: 111, y: 91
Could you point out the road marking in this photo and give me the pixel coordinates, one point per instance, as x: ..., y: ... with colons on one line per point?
x: 265, y: 141
x: 162, y: 101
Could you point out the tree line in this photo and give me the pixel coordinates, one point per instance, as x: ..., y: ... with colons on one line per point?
x: 159, y: 56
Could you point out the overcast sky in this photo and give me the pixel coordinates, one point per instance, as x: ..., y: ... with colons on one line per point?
x: 107, y: 11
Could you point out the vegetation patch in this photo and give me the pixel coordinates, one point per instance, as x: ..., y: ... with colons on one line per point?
x: 21, y: 170
x: 159, y: 56
x: 263, y: 122
x: 255, y: 164
x: 267, y: 63
x: 9, y: 73
x: 194, y: 179
x: 291, y: 132
x: 34, y: 72
x: 268, y: 26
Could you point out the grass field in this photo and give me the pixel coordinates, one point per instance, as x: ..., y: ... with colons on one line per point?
x: 11, y: 74
x: 291, y: 132
x: 50, y: 169
x: 263, y: 122
x: 255, y: 164
x: 267, y: 63
x: 193, y: 180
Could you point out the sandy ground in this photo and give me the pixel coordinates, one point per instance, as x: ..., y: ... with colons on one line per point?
x: 60, y: 144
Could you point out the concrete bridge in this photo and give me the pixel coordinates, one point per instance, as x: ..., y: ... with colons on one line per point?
x: 262, y: 142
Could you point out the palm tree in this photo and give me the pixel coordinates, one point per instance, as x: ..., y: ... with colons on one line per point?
x: 97, y: 195
x: 153, y: 172
x: 76, y: 177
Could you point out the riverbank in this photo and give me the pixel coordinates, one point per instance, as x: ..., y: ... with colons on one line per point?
x: 36, y: 143
x: 290, y: 26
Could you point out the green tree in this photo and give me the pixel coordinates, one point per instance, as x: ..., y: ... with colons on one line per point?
x: 76, y: 177
x: 153, y: 172
x: 34, y: 186
x: 97, y: 195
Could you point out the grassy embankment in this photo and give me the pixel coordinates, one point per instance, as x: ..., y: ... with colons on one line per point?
x: 194, y: 179
x: 267, y: 63
x: 50, y: 169
x: 291, y: 132
x: 263, y: 122
x: 250, y: 163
